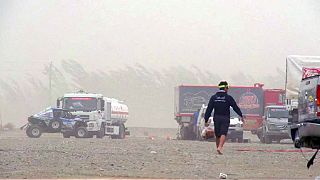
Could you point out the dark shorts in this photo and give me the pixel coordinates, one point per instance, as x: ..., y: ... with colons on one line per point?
x: 221, y: 125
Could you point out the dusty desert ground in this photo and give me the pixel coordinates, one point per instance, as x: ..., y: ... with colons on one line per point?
x: 148, y: 153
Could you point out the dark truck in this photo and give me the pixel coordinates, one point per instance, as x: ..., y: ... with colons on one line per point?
x: 188, y: 99
x: 55, y: 120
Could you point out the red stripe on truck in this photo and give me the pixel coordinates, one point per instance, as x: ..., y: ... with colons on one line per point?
x: 119, y: 112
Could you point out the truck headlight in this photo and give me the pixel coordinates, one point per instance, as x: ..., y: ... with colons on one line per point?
x: 272, y: 127
x: 91, y: 125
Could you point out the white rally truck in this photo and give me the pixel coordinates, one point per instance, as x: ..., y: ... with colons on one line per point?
x: 235, y: 131
x: 103, y: 115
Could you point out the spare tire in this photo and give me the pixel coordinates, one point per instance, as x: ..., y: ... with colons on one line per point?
x: 55, y: 125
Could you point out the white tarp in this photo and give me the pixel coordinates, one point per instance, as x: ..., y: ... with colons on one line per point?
x: 294, y: 67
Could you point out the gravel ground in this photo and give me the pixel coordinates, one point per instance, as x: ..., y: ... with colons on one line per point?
x: 140, y: 156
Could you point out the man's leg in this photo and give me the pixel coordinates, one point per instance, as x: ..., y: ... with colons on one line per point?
x: 224, y: 131
x: 217, y: 141
x: 222, y: 140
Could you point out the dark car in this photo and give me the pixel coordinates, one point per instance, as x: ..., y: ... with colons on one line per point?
x: 53, y: 120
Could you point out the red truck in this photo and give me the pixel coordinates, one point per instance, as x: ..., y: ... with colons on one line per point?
x: 270, y: 97
x: 188, y: 99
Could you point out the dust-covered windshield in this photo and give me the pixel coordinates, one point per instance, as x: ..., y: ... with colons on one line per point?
x: 80, y: 104
x: 278, y: 113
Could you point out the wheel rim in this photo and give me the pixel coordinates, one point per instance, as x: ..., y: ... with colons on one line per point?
x: 81, y: 132
x: 35, y: 132
x: 55, y: 125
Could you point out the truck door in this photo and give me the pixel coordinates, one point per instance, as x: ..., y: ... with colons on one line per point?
x: 107, y: 111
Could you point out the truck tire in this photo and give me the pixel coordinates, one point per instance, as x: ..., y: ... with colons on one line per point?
x: 184, y: 133
x: 263, y: 135
x: 81, y: 132
x: 66, y: 135
x: 55, y: 125
x: 267, y: 139
x: 240, y: 139
x: 101, y: 133
x: 122, y: 132
x: 297, y: 143
x: 34, y: 131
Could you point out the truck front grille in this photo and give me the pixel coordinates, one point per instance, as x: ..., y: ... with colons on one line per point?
x: 282, y: 127
x: 84, y: 117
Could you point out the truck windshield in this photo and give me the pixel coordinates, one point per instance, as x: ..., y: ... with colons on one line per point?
x: 80, y: 103
x: 278, y: 113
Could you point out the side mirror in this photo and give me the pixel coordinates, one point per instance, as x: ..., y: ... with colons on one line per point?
x: 102, y: 105
x: 58, y: 103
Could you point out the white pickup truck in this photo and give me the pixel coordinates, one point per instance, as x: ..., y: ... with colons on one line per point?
x: 235, y: 132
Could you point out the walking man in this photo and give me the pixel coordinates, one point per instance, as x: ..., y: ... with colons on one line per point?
x: 221, y: 103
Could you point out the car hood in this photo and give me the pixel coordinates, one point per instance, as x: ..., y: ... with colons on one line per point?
x: 234, y: 121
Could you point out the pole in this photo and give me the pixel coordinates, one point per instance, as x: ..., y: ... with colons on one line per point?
x: 0, y: 119
x: 1, y: 113
x: 50, y: 82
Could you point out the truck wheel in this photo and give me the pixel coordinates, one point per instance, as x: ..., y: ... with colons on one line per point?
x: 55, y: 125
x: 102, y: 131
x: 297, y: 143
x: 122, y: 132
x: 184, y: 133
x: 240, y: 140
x: 66, y: 135
x: 267, y: 139
x: 81, y: 132
x: 34, y: 131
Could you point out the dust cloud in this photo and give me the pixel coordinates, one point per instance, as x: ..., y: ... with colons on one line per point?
x: 138, y: 51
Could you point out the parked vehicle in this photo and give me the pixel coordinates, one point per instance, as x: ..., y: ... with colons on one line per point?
x: 189, y: 99
x: 52, y: 120
x: 306, y: 132
x: 235, y: 132
x: 302, y: 99
x: 103, y: 115
x: 275, y: 124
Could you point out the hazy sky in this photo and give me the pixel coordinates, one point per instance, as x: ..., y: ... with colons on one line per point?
x: 224, y: 36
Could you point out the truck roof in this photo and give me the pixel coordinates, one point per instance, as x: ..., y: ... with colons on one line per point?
x: 294, y: 66
x: 92, y: 95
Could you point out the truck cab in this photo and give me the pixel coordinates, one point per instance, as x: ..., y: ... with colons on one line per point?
x: 274, y: 124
